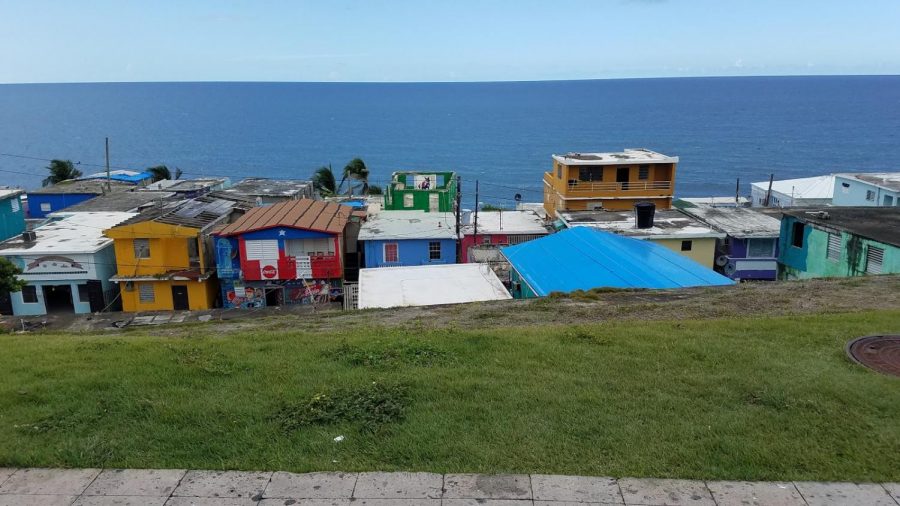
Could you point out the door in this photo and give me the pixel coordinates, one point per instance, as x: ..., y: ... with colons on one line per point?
x: 95, y: 295
x: 622, y: 175
x: 434, y: 202
x: 180, y: 300
x: 5, y: 303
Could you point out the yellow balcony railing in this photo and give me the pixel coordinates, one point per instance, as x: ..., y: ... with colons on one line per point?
x: 600, y: 189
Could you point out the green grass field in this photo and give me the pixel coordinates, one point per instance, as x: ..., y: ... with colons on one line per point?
x: 762, y: 398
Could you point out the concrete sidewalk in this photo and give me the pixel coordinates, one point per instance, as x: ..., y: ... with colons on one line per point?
x: 134, y: 487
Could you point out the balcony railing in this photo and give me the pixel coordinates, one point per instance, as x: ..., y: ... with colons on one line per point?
x: 592, y: 188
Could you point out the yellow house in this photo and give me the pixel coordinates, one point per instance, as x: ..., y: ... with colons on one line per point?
x: 612, y: 181
x: 164, y: 256
x: 671, y: 228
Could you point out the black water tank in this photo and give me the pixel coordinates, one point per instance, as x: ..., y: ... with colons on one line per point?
x: 643, y: 214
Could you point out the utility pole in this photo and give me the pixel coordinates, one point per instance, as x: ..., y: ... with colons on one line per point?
x: 475, y: 233
x: 458, y: 213
x: 769, y: 192
x: 737, y: 193
x: 108, y: 180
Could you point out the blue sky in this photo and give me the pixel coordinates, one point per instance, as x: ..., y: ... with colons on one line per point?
x: 452, y: 40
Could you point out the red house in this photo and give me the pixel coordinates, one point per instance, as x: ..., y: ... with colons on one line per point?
x: 285, y: 253
x: 496, y: 229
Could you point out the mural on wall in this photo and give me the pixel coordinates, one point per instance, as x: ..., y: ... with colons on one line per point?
x: 425, y: 181
x: 307, y: 292
x: 225, y: 255
x: 53, y: 265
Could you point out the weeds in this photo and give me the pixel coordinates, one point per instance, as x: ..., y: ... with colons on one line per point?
x: 372, y: 407
x: 390, y: 353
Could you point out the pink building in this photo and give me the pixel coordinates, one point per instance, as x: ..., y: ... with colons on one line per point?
x: 497, y: 229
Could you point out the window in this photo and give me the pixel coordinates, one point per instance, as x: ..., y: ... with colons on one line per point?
x: 833, y: 250
x: 391, y: 252
x: 760, y: 248
x: 309, y: 247
x: 797, y: 234
x: 644, y: 172
x: 590, y: 173
x: 874, y: 260
x: 888, y: 200
x: 687, y: 245
x: 142, y: 248
x: 261, y: 250
x: 146, y: 293
x: 14, y: 205
x: 45, y: 207
x: 485, y: 239
x: 559, y: 171
x: 83, y: 293
x: 29, y: 294
x: 434, y: 250
x: 408, y: 200
x: 870, y: 195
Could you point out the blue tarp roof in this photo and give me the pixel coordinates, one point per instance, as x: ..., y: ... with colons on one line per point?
x: 125, y: 176
x: 582, y: 258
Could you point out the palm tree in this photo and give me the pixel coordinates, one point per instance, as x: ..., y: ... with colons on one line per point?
x: 356, y: 170
x: 159, y: 173
x: 60, y: 170
x: 324, y: 181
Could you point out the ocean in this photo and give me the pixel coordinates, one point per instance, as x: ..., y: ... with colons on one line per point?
x: 501, y: 134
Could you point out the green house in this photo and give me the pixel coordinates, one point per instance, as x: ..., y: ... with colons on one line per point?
x: 423, y: 191
x: 839, y: 242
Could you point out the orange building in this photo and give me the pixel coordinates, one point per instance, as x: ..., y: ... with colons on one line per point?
x: 612, y: 181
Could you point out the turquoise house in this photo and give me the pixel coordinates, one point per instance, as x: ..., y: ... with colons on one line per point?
x: 12, y: 215
x: 839, y: 242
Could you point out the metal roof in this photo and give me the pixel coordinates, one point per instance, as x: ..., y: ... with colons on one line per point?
x: 582, y: 258
x: 303, y: 213
x: 739, y: 222
x: 186, y: 185
x: 408, y: 225
x: 120, y: 201
x: 818, y: 187
x: 881, y: 224
x: 73, y: 233
x: 199, y: 212
x: 264, y: 187
x: 428, y: 285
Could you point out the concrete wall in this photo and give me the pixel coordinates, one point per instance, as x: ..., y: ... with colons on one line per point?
x: 411, y: 252
x: 56, y: 201
x: 811, y: 260
x: 703, y: 250
x: 852, y: 192
x: 201, y: 295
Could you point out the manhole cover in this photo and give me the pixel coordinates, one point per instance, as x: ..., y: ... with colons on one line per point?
x: 881, y: 353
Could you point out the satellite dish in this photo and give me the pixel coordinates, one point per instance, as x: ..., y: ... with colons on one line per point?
x: 721, y: 260
x: 518, y: 197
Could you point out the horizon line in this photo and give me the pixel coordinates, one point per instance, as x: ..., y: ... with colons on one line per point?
x: 512, y: 81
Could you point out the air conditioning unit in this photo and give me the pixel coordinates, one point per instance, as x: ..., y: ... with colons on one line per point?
x: 29, y: 236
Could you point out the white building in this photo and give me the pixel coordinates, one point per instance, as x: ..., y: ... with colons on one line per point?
x: 67, y: 264
x: 802, y: 192
x: 867, y: 189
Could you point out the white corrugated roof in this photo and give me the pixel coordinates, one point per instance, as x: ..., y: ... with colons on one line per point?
x: 408, y: 225
x: 428, y: 285
x: 6, y: 193
x: 506, y: 222
x: 739, y: 222
x: 74, y: 233
x: 818, y: 187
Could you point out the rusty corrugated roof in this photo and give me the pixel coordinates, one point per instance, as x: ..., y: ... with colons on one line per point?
x: 304, y: 213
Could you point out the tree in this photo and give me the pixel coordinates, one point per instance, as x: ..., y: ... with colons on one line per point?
x: 324, y: 181
x: 356, y: 170
x: 9, y: 280
x: 159, y: 173
x: 60, y: 170
x: 375, y: 190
